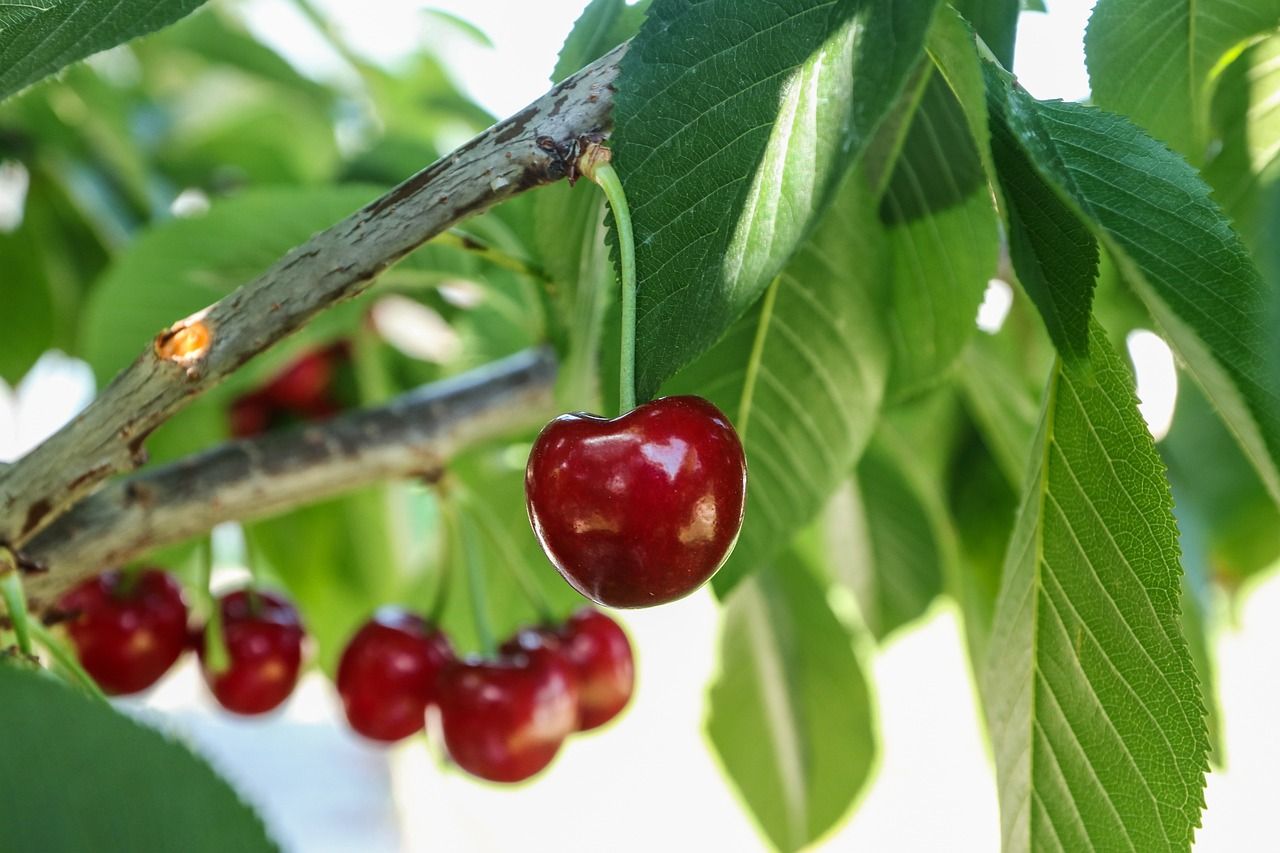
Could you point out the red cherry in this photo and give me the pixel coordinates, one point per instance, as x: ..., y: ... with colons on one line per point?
x: 263, y: 636
x: 504, y: 720
x: 304, y: 383
x: 600, y: 653
x: 388, y: 672
x: 251, y: 415
x: 129, y: 630
x: 640, y: 509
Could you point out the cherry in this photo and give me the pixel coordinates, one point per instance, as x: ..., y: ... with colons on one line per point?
x: 251, y: 414
x: 128, y: 629
x: 263, y: 636
x: 388, y: 672
x: 640, y: 509
x: 600, y: 653
x: 504, y: 720
x: 304, y: 383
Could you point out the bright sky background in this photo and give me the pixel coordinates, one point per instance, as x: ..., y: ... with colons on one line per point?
x: 649, y: 782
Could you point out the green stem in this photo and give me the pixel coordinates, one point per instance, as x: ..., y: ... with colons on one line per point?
x: 15, y: 600
x: 216, y: 659
x: 488, y: 252
x: 518, y: 566
x: 446, y: 557
x: 465, y: 549
x: 604, y: 175
x: 65, y: 659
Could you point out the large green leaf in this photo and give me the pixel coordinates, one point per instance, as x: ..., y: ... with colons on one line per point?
x: 734, y: 123
x: 37, y: 39
x: 802, y: 376
x: 790, y: 714
x: 76, y: 775
x: 1091, y: 694
x: 26, y: 304
x: 1173, y: 245
x: 1155, y: 60
x: 996, y: 21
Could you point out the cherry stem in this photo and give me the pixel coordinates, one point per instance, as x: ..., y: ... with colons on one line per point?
x: 446, y: 558
x: 65, y: 659
x: 216, y: 659
x: 518, y: 566
x: 475, y: 577
x: 594, y: 164
x: 15, y: 600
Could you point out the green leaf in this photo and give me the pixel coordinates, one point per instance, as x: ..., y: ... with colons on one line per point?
x: 26, y: 305
x: 1155, y: 60
x: 602, y: 26
x: 790, y: 713
x: 940, y: 226
x: 1091, y: 694
x: 76, y: 775
x: 996, y: 21
x: 50, y: 34
x: 1173, y: 246
x: 802, y: 377
x: 1000, y: 402
x: 1246, y: 120
x: 734, y: 123
x: 1054, y: 253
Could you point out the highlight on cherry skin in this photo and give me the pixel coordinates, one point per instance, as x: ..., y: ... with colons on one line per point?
x: 263, y: 635
x: 389, y: 672
x: 640, y: 509
x: 128, y: 628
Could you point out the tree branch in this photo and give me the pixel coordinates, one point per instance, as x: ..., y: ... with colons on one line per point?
x: 534, y: 147
x: 413, y: 436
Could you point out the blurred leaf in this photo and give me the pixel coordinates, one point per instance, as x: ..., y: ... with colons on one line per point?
x: 941, y: 229
x: 1089, y: 686
x: 1001, y: 403
x: 1197, y: 619
x: 128, y: 786
x: 790, y: 712
x: 1238, y: 523
x: 805, y: 402
x: 35, y: 44
x: 1166, y: 83
x: 602, y: 26
x: 1173, y: 245
x: 726, y: 156
x: 26, y: 305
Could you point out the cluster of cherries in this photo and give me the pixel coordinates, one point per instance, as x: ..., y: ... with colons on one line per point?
x: 503, y: 719
x: 306, y: 389
x: 130, y: 628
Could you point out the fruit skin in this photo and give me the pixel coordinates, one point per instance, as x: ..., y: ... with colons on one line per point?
x: 304, y: 383
x: 640, y: 509
x: 127, y: 636
x: 388, y: 672
x: 504, y: 719
x: 601, y: 656
x: 263, y: 636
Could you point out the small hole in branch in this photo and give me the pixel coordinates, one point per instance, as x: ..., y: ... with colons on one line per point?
x: 185, y: 343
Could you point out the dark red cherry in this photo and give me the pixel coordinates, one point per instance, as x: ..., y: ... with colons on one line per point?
x: 504, y: 720
x: 128, y: 629
x: 388, y: 672
x: 263, y: 636
x: 600, y: 653
x: 251, y: 414
x: 304, y: 383
x: 640, y: 509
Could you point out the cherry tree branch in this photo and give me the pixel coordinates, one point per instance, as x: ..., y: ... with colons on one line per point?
x: 413, y: 436
x: 536, y: 146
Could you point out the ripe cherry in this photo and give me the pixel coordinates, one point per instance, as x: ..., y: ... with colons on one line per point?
x: 600, y: 653
x: 129, y: 629
x: 388, y: 672
x: 263, y: 636
x: 640, y: 509
x: 251, y: 414
x: 304, y: 383
x: 504, y: 720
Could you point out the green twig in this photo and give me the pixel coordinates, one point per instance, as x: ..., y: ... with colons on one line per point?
x: 490, y: 253
x: 65, y: 659
x: 594, y: 164
x: 15, y: 600
x: 216, y: 659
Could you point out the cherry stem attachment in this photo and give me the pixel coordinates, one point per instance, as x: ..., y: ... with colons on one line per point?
x: 15, y: 600
x: 65, y: 659
x: 594, y: 164
x: 216, y: 659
